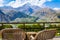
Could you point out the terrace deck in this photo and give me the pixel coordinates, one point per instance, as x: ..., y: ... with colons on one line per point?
x: 55, y: 38
x: 52, y: 39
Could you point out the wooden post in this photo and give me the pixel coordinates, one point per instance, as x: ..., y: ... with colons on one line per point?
x: 2, y: 24
x: 44, y: 25
x: 24, y: 26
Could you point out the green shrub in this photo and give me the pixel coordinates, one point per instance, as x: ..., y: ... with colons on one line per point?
x: 52, y: 26
x: 31, y: 27
x: 58, y: 25
x: 1, y: 27
x: 21, y: 26
x: 7, y: 26
x: 58, y: 30
x: 28, y: 26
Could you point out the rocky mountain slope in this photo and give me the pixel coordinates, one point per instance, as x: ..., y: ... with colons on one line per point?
x: 28, y: 13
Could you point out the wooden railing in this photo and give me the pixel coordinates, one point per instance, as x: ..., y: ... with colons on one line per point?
x: 30, y: 23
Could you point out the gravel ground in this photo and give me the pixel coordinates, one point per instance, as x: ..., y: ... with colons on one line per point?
x: 56, y: 38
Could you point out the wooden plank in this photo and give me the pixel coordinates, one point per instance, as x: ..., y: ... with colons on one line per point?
x: 28, y: 22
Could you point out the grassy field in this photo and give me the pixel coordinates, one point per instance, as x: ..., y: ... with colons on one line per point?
x: 0, y: 36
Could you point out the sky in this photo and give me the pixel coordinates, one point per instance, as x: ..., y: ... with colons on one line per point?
x: 55, y: 4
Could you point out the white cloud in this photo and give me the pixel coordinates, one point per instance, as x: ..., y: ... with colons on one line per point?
x: 16, y: 3
x: 37, y: 2
x: 49, y: 0
x: 56, y: 8
x: 19, y: 3
x: 1, y: 3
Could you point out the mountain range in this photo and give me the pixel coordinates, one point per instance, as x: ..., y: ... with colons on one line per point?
x: 28, y: 13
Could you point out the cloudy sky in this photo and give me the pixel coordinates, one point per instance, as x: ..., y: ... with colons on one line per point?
x: 55, y: 4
